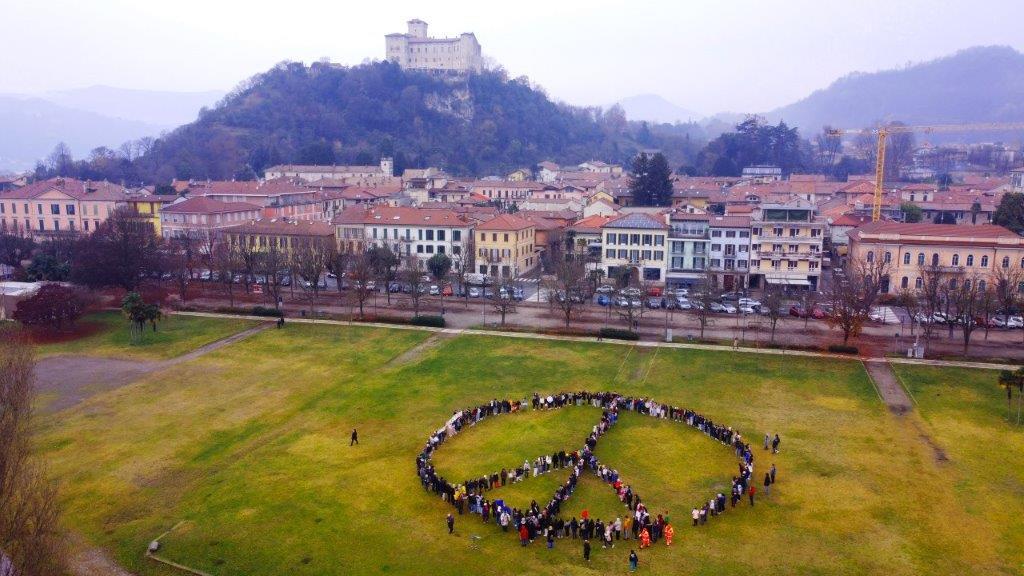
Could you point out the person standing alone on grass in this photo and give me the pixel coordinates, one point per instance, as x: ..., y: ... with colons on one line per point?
x: 451, y: 523
x: 767, y: 441
x: 772, y: 472
x: 752, y: 490
x: 634, y: 560
x: 355, y: 438
x: 775, y: 444
x: 767, y: 484
x: 586, y: 550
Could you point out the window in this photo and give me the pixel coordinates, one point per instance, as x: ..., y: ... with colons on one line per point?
x: 970, y: 260
x: 791, y: 264
x: 647, y: 240
x: 888, y: 257
x: 506, y: 237
x: 41, y: 225
x: 430, y: 234
x: 952, y: 283
x: 935, y: 259
x: 918, y: 283
x: 56, y: 224
x: 609, y: 238
x: 659, y: 255
x: 430, y: 249
x: 1006, y: 261
x: 793, y: 232
x: 623, y: 254
x: 956, y: 259
x: 646, y: 255
x: 716, y: 233
x: 730, y: 234
x: 905, y: 282
x: 981, y: 285
x: 984, y: 261
x: 716, y: 263
x: 39, y: 208
x: 870, y: 257
x: 609, y: 253
x: 744, y: 234
x: 419, y: 249
x: 716, y: 247
x: 634, y: 238
x: 456, y: 236
x: 659, y: 240
x: 906, y: 258
x: 777, y: 231
x: 920, y: 259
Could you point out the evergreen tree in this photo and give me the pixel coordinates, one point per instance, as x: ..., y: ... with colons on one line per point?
x: 639, y: 185
x: 659, y: 181
x: 1010, y: 212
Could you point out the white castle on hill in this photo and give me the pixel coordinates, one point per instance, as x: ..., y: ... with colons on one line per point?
x: 417, y: 51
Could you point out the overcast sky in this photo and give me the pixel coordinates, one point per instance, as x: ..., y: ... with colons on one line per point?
x: 718, y: 55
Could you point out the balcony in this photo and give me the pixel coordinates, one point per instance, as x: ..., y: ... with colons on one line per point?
x: 784, y: 255
x: 689, y: 234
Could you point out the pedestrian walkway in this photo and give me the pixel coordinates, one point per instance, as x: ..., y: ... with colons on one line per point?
x: 888, y: 385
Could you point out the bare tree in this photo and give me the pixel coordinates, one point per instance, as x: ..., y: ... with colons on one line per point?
x: 248, y: 258
x: 502, y: 300
x: 829, y: 144
x: 930, y: 297
x: 910, y: 302
x: 270, y: 265
x: 705, y: 294
x: 310, y: 259
x: 462, y: 263
x: 966, y: 300
x: 772, y: 301
x: 1006, y: 282
x: 31, y: 538
x: 361, y: 273
x: 226, y: 262
x: 851, y: 295
x: 340, y: 262
x: 570, y: 281
x: 413, y: 278
x: 808, y: 301
x: 899, y: 150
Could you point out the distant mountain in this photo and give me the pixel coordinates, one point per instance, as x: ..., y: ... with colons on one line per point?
x: 31, y: 127
x: 654, y: 108
x: 981, y: 84
x: 160, y: 108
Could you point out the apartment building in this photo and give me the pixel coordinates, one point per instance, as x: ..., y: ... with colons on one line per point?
x: 284, y: 235
x: 786, y: 245
x: 506, y: 246
x: 635, y: 246
x: 729, y: 251
x: 59, y: 206
x: 408, y: 232
x: 962, y: 252
x: 199, y: 215
x: 687, y: 249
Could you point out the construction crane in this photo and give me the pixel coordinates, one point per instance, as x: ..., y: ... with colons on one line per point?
x: 883, y: 132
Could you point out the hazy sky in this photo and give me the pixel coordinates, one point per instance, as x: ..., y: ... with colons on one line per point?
x: 708, y: 56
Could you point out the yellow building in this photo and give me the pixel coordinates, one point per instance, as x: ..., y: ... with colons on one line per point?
x: 505, y: 246
x: 147, y: 208
x: 786, y: 243
x: 960, y: 251
x: 284, y: 235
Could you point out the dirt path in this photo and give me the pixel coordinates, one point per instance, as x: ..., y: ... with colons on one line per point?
x: 70, y: 379
x: 888, y: 385
x: 417, y: 351
x: 88, y: 560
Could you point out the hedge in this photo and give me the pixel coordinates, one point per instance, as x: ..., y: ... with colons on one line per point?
x: 618, y: 334
x: 263, y: 311
x: 842, y: 348
x: 431, y: 321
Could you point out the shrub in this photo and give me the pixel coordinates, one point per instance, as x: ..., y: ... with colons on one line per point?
x: 842, y: 349
x: 264, y: 311
x: 618, y: 334
x: 53, y: 307
x: 431, y: 321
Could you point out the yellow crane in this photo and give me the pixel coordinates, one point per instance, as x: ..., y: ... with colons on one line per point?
x: 883, y: 132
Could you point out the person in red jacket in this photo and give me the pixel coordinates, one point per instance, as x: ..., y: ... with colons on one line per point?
x: 752, y: 490
x: 524, y: 534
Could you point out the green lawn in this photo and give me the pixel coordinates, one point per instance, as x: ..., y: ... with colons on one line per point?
x: 175, y: 336
x: 249, y: 445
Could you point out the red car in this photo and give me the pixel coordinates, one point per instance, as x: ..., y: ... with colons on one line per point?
x: 798, y: 311
x: 654, y: 291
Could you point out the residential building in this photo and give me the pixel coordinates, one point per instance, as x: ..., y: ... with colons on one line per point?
x: 59, y: 206
x: 285, y: 235
x: 1017, y: 180
x: 687, y: 249
x: 786, y: 244
x: 407, y: 231
x: 762, y: 173
x: 200, y: 215
x: 415, y: 50
x: 585, y: 237
x: 357, y: 175
x: 962, y: 252
x: 729, y: 250
x: 505, y: 191
x: 146, y: 208
x: 505, y: 246
x: 635, y: 246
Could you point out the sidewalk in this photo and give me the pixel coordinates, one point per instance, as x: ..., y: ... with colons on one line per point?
x: 648, y: 344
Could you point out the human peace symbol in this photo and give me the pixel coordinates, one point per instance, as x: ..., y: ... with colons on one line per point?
x: 537, y: 520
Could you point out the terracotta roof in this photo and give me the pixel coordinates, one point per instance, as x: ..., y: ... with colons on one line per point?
x: 729, y: 221
x: 77, y: 189
x: 398, y: 216
x: 543, y: 224
x: 851, y: 219
x: 505, y: 222
x: 203, y: 205
x: 637, y: 220
x: 284, y: 228
x: 923, y: 233
x: 591, y: 223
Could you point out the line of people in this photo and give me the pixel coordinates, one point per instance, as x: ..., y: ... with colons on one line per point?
x: 544, y: 521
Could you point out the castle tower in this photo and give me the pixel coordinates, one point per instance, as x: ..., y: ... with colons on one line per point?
x: 417, y: 28
x: 387, y: 166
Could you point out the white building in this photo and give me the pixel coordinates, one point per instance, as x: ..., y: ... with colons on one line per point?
x: 729, y: 250
x: 636, y: 242
x: 357, y: 175
x: 415, y: 50
x: 406, y: 231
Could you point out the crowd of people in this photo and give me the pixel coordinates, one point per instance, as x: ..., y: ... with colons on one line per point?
x: 544, y: 521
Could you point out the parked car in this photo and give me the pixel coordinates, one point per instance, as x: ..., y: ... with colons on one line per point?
x: 488, y: 293
x: 819, y: 312
x: 654, y: 291
x: 747, y: 309
x: 394, y: 287
x: 798, y: 311
x: 447, y: 290
x: 603, y: 300
x: 671, y: 303
x: 435, y: 290
x: 1015, y: 322
x: 630, y: 292
x: 622, y: 301
x: 716, y: 307
x: 475, y: 292
x: 605, y: 289
x: 728, y: 308
x: 733, y: 296
x: 518, y: 294
x: 654, y: 303
x: 682, y: 292
x: 749, y: 302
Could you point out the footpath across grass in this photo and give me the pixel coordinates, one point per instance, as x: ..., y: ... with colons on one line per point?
x: 107, y: 335
x: 249, y: 445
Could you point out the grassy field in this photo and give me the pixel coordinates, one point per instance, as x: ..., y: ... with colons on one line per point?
x: 249, y: 446
x: 175, y: 335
